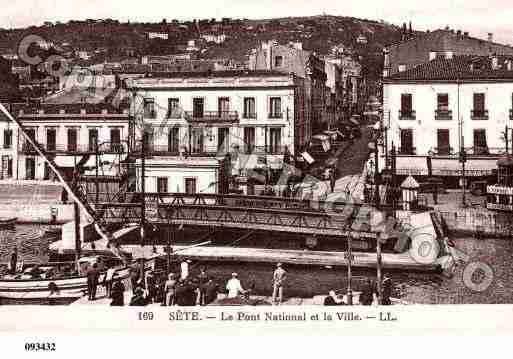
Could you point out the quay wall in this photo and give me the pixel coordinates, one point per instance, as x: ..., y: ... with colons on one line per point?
x: 479, y: 223
x: 38, y: 213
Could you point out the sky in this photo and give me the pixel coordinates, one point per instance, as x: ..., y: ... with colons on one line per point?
x: 477, y: 17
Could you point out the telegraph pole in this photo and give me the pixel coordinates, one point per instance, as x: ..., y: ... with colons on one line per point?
x: 377, y: 206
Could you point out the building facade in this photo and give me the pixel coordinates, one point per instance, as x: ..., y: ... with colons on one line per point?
x: 257, y: 117
x: 69, y: 134
x: 448, y: 106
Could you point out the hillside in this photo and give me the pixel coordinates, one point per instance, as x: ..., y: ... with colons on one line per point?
x: 119, y: 40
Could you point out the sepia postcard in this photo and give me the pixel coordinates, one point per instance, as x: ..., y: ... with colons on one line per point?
x: 274, y: 165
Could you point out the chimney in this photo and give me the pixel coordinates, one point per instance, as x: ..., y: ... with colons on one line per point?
x: 458, y: 32
x: 465, y: 34
x: 490, y: 37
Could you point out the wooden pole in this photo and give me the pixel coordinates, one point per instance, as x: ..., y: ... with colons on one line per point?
x: 377, y: 205
x: 349, y: 271
x: 78, y: 239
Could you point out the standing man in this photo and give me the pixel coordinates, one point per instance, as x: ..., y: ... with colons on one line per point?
x: 14, y: 261
x: 332, y: 179
x: 108, y: 281
x: 278, y: 281
x: 387, y: 291
x: 92, y: 281
x: 184, y: 269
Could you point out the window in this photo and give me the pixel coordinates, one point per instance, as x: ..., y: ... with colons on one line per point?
x: 30, y: 168
x: 275, y: 107
x: 161, y: 184
x: 72, y: 139
x: 223, y: 139
x: 274, y: 140
x: 149, y: 108
x: 173, y: 108
x: 249, y: 107
x: 173, y: 140
x: 190, y: 186
x: 223, y: 106
x: 249, y: 139
x: 9, y: 167
x: 406, y: 103
x: 407, y: 142
x: 93, y: 138
x: 442, y: 102
x: 197, y: 140
x: 479, y: 106
x: 6, y: 167
x: 443, y: 142
x: 401, y: 68
x: 7, y: 138
x: 480, y: 145
x: 198, y: 106
x: 115, y: 140
x: 51, y: 139
x: 278, y: 61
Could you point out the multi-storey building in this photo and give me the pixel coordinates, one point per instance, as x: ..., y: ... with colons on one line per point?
x: 257, y: 117
x: 306, y: 64
x: 8, y: 150
x: 434, y: 110
x: 445, y: 43
x: 69, y: 133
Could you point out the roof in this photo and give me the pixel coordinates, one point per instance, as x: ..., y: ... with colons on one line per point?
x: 230, y: 73
x: 464, y: 68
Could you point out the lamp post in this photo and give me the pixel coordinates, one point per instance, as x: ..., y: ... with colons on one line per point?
x: 374, y: 146
x: 463, y: 159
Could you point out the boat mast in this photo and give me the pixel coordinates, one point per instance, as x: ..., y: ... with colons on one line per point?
x: 79, y: 202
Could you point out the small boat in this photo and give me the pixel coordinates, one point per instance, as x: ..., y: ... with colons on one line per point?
x: 8, y: 222
x: 46, y: 282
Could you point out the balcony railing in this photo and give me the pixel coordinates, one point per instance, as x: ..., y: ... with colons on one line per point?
x: 407, y: 150
x: 407, y: 115
x: 27, y: 148
x: 443, y: 115
x: 443, y: 151
x: 266, y: 150
x: 212, y: 116
x: 479, y: 115
x: 150, y: 114
x: 250, y: 115
x: 166, y: 150
x: 275, y: 114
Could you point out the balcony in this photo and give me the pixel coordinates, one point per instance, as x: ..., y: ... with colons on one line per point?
x: 60, y: 148
x: 150, y: 114
x: 250, y: 116
x: 408, y: 115
x: 479, y: 115
x: 212, y: 116
x: 443, y: 115
x: 407, y: 151
x: 443, y: 151
x: 171, y: 151
x: 275, y: 115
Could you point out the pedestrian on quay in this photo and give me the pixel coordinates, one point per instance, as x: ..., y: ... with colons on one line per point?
x: 14, y: 261
x: 118, y: 294
x: 366, y: 296
x: 150, y: 285
x: 138, y: 299
x: 279, y: 277
x: 169, y: 290
x: 92, y: 281
x: 181, y: 293
x: 108, y: 281
x: 333, y: 299
x: 387, y: 291
x: 184, y: 268
x: 234, y: 287
x: 202, y: 282
x: 211, y: 291
x: 332, y: 179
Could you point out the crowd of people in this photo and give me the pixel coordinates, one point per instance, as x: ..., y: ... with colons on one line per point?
x: 368, y: 295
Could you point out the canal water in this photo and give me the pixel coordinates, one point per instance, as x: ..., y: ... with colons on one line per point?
x: 413, y: 287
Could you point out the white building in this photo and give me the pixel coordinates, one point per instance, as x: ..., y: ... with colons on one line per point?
x: 68, y: 132
x: 436, y: 108
x: 158, y: 35
x: 253, y: 115
x: 8, y: 152
x: 216, y: 38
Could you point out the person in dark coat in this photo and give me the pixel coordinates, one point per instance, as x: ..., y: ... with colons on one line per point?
x: 118, y: 298
x: 134, y: 277
x: 211, y: 290
x: 333, y: 299
x: 150, y: 286
x: 387, y: 291
x: 180, y: 293
x: 138, y: 299
x: 14, y: 261
x: 202, y: 285
x: 92, y: 281
x: 366, y: 296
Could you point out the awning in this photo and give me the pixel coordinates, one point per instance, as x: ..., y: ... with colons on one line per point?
x: 411, y: 165
x: 473, y: 167
x: 67, y: 160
